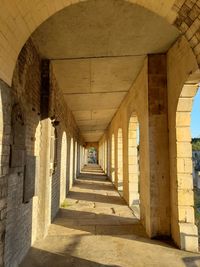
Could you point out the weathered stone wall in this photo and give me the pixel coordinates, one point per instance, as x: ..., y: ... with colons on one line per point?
x: 5, y: 122
x: 23, y: 222
x: 188, y: 22
x: 63, y: 114
x: 25, y: 93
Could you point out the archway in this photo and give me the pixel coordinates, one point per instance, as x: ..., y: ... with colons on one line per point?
x: 195, y: 131
x: 30, y: 16
x: 120, y: 161
x: 113, y: 158
x: 185, y: 193
x: 92, y: 155
x: 71, y: 172
x: 63, y: 173
x: 105, y: 156
x: 133, y: 164
x: 75, y: 159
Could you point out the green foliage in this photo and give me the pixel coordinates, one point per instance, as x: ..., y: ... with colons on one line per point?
x: 195, y: 144
x: 197, y: 207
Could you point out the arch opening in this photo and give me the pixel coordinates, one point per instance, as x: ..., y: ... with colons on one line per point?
x: 187, y: 192
x: 63, y: 174
x: 133, y: 164
x: 71, y: 172
x: 113, y: 158
x: 92, y: 155
x: 120, y: 161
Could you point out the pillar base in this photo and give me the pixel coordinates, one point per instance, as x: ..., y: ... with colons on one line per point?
x: 189, y: 237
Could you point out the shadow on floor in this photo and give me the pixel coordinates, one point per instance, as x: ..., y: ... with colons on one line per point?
x: 192, y: 261
x: 97, y: 224
x: 107, y: 187
x: 94, y: 197
x: 41, y: 258
x: 93, y: 177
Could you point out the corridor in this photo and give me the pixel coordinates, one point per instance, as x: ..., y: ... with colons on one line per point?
x: 95, y: 228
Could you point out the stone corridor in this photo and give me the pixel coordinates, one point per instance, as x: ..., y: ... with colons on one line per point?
x: 108, y: 82
x: 95, y: 228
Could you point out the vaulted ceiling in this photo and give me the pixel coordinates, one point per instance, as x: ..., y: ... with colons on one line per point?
x: 97, y: 49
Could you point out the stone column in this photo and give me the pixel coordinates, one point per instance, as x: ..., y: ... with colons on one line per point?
x: 159, y: 178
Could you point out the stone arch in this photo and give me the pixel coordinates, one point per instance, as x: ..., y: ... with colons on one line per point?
x: 71, y: 167
x: 26, y: 17
x: 113, y: 158
x: 187, y: 230
x: 105, y: 156
x: 63, y: 174
x: 133, y: 162
x: 120, y: 160
x: 75, y: 159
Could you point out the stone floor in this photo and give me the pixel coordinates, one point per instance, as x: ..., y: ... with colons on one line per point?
x: 95, y: 228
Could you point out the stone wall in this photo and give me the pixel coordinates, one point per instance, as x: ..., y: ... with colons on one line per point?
x: 23, y: 220
x: 188, y: 21
x: 5, y: 122
x: 182, y: 85
x: 25, y: 93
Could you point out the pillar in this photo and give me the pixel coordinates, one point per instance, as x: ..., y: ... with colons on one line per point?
x: 158, y: 223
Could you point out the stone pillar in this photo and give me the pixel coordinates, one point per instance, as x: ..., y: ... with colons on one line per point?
x: 44, y: 186
x: 85, y: 156
x: 78, y: 159
x: 159, y: 178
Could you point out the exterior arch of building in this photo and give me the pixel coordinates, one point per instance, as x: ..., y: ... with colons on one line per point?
x: 182, y: 88
x: 29, y: 16
x: 133, y: 162
x: 63, y: 174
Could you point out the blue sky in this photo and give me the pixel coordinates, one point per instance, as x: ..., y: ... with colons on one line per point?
x: 195, y: 116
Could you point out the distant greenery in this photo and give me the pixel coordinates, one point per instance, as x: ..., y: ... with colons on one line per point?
x: 195, y: 144
x: 197, y: 207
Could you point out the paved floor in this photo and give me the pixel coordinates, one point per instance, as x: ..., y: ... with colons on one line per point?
x: 95, y: 228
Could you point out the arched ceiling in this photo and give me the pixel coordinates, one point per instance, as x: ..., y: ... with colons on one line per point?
x: 18, y: 20
x: 104, y: 28
x: 97, y: 49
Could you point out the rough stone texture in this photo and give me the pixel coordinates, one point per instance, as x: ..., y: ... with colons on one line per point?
x: 188, y: 22
x: 25, y: 222
x: 26, y: 93
x: 158, y: 146
x: 5, y: 129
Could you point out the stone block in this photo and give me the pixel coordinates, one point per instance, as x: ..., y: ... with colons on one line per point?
x: 183, y: 134
x: 184, y: 150
x: 183, y: 119
x: 184, y: 165
x: 185, y: 104
x: 186, y: 214
x: 189, y: 237
x: 185, y: 197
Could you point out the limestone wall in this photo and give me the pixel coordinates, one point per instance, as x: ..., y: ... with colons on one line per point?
x: 182, y: 86
x: 22, y: 220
